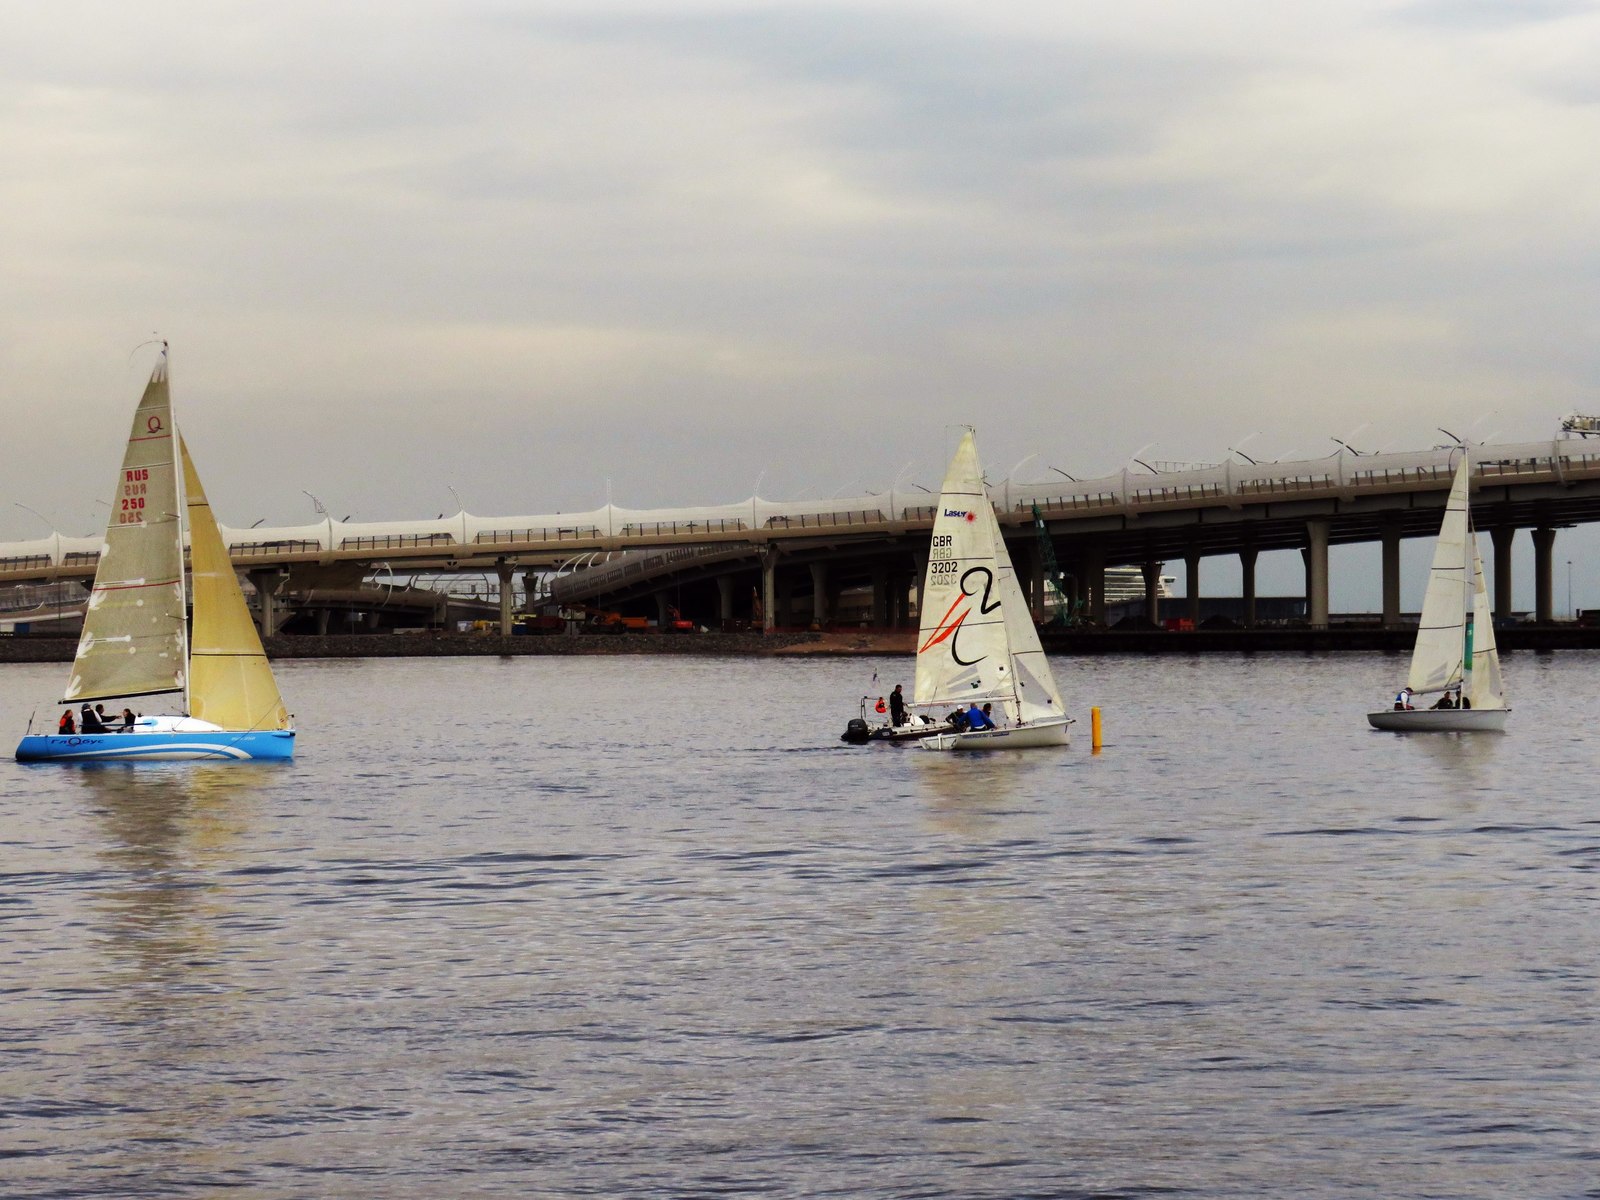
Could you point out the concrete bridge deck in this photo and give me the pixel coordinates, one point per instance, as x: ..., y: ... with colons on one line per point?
x: 1131, y: 517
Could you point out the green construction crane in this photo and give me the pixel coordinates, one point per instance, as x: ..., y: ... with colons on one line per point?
x: 1067, y: 612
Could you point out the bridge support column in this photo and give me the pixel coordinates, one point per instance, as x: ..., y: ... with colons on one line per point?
x: 663, y: 610
x: 725, y: 598
x: 1191, y: 568
x: 900, y: 598
x: 1544, y: 541
x: 919, y: 577
x: 769, y: 589
x: 1094, y: 583
x: 1391, y: 576
x: 1152, y: 592
x: 322, y: 622
x: 1247, y: 572
x: 819, y: 594
x: 1500, y: 536
x: 786, y: 600
x: 1316, y: 559
x: 880, y: 597
x: 268, y: 582
x: 505, y: 571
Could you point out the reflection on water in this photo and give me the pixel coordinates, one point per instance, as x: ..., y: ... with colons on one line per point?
x: 690, y: 944
x: 170, y: 835
x: 169, y: 829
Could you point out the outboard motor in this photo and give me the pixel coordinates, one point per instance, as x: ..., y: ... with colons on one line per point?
x: 857, y: 732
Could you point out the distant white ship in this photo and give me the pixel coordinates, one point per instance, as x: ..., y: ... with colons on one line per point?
x: 1127, y: 583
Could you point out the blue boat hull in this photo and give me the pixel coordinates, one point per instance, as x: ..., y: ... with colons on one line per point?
x: 156, y: 747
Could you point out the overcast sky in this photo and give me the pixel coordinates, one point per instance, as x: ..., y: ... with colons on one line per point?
x: 520, y: 249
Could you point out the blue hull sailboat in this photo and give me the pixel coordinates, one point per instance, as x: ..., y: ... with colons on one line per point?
x: 137, y: 641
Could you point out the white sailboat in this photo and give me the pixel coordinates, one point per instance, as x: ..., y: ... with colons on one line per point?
x: 978, y: 644
x: 136, y: 639
x: 1455, y: 653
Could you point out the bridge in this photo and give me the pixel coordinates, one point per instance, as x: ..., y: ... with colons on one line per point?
x: 792, y: 559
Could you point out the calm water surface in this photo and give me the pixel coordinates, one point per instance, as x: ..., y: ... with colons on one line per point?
x: 645, y: 927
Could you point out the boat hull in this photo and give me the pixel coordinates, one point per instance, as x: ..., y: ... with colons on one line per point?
x: 896, y: 734
x: 136, y: 746
x: 1441, y: 720
x: 1018, y: 737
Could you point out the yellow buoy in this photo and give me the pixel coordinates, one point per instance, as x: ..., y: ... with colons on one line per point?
x: 1095, y: 741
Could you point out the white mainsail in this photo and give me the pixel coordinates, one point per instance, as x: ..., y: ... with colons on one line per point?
x: 1487, y: 689
x: 1437, y: 657
x: 134, y: 640
x: 977, y: 642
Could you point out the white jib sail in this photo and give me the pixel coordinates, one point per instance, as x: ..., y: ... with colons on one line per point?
x: 1488, y: 689
x: 1036, y: 694
x: 134, y: 639
x: 1436, y: 659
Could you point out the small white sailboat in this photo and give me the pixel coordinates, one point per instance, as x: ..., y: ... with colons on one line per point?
x: 978, y: 644
x: 136, y: 638
x: 1455, y: 653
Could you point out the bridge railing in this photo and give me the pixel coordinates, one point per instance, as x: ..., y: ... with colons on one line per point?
x: 1077, y: 502
x: 252, y: 549
x: 664, y: 528
x: 1287, y: 485
x: 1181, y: 495
x: 81, y: 558
x: 1400, y: 476
x: 25, y: 562
x: 567, y: 533
x: 828, y: 520
x: 396, y: 541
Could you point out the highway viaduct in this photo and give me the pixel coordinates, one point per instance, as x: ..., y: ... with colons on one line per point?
x: 790, y: 558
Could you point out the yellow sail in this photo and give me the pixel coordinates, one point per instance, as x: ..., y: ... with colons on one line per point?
x: 133, y: 630
x: 230, y: 683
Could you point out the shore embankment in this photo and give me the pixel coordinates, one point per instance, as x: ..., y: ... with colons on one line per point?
x: 841, y: 643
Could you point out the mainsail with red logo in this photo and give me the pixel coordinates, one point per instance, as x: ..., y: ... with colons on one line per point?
x: 977, y: 642
x: 134, y: 639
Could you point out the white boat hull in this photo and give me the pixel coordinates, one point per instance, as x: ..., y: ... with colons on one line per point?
x: 1441, y: 720
x: 1017, y: 737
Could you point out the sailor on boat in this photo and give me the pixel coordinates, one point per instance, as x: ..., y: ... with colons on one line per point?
x: 897, y: 707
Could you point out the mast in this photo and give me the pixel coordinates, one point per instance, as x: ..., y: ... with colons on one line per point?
x: 182, y: 524
x: 1469, y: 584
